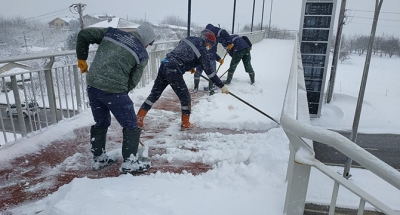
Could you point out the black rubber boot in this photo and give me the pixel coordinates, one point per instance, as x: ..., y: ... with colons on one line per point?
x: 98, y: 140
x: 211, y: 88
x: 130, y: 142
x: 196, y: 84
x: 130, y: 145
x: 228, y: 79
x: 252, y: 77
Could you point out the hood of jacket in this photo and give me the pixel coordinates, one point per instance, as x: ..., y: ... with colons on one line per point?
x: 146, y: 33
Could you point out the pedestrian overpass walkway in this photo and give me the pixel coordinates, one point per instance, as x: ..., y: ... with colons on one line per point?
x: 58, y: 161
x: 47, y: 166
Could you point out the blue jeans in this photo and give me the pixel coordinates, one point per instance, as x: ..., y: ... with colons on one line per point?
x: 120, y: 105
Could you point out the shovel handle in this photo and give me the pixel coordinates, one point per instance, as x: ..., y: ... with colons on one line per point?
x: 237, y: 97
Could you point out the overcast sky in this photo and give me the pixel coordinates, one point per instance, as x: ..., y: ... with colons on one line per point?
x: 285, y: 13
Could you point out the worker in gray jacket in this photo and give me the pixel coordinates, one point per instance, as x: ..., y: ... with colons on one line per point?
x: 116, y: 69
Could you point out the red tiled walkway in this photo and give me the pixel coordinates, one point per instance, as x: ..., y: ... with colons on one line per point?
x: 35, y: 176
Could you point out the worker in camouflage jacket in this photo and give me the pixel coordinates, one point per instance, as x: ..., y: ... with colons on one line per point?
x: 116, y: 69
x: 190, y: 53
x: 240, y: 52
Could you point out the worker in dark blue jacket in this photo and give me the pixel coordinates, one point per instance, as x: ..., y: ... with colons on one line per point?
x: 214, y: 57
x: 240, y: 52
x: 222, y: 36
x: 190, y: 53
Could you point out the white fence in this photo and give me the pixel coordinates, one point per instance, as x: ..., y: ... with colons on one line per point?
x: 295, y: 121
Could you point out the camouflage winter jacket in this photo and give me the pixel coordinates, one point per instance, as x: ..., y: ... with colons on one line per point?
x: 119, y: 61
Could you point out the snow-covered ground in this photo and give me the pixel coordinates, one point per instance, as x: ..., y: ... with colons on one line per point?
x: 249, y: 170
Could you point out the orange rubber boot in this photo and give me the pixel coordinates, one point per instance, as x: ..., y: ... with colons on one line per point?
x: 185, y: 122
x: 140, y: 117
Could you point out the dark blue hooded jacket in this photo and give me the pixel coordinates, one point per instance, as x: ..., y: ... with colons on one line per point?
x: 186, y: 57
x: 240, y: 43
x: 222, y: 35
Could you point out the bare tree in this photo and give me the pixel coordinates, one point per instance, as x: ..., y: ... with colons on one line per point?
x: 390, y: 45
x: 173, y: 20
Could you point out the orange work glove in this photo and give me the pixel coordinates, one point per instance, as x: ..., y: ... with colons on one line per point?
x: 192, y: 71
x: 230, y: 46
x: 221, y: 61
x: 82, y: 65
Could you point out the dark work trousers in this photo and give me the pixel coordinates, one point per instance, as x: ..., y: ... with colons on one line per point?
x: 199, y: 71
x: 168, y: 74
x: 120, y: 105
x: 243, y: 55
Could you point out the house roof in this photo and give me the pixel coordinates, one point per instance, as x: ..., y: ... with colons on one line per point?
x: 174, y: 27
x: 65, y: 19
x: 115, y: 23
x: 99, y: 16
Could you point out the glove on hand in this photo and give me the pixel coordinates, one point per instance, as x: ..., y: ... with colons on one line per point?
x: 82, y: 65
x: 221, y: 61
x: 230, y: 46
x: 225, y: 90
x: 192, y: 71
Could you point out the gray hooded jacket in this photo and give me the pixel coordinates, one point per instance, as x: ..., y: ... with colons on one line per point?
x: 120, y: 57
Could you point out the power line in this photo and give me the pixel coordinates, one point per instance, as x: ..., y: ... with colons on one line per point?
x: 373, y: 11
x: 65, y: 9
x: 361, y: 17
x: 396, y: 26
x: 48, y: 16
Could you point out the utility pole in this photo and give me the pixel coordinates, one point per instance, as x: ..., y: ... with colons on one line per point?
x: 26, y: 46
x: 353, y: 137
x: 270, y: 15
x: 79, y: 7
x: 44, y: 44
x: 336, y: 51
x: 252, y: 17
x: 189, y: 12
x: 262, y: 15
x: 233, y: 21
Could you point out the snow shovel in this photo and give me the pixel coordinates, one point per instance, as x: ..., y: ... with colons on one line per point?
x: 223, y: 74
x: 237, y: 97
x: 143, y: 152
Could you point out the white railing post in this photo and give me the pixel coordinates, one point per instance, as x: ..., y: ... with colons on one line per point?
x: 50, y: 91
x: 18, y: 106
x: 77, y: 89
x: 296, y: 192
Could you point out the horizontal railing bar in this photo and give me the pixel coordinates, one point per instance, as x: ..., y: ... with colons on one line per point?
x: 353, y: 188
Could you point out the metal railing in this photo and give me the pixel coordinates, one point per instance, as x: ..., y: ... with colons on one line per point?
x: 295, y: 121
x: 59, y: 91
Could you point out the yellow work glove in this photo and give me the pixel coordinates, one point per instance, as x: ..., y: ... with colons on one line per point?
x: 221, y: 61
x: 82, y: 65
x: 225, y: 90
x: 192, y: 71
x: 230, y: 46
